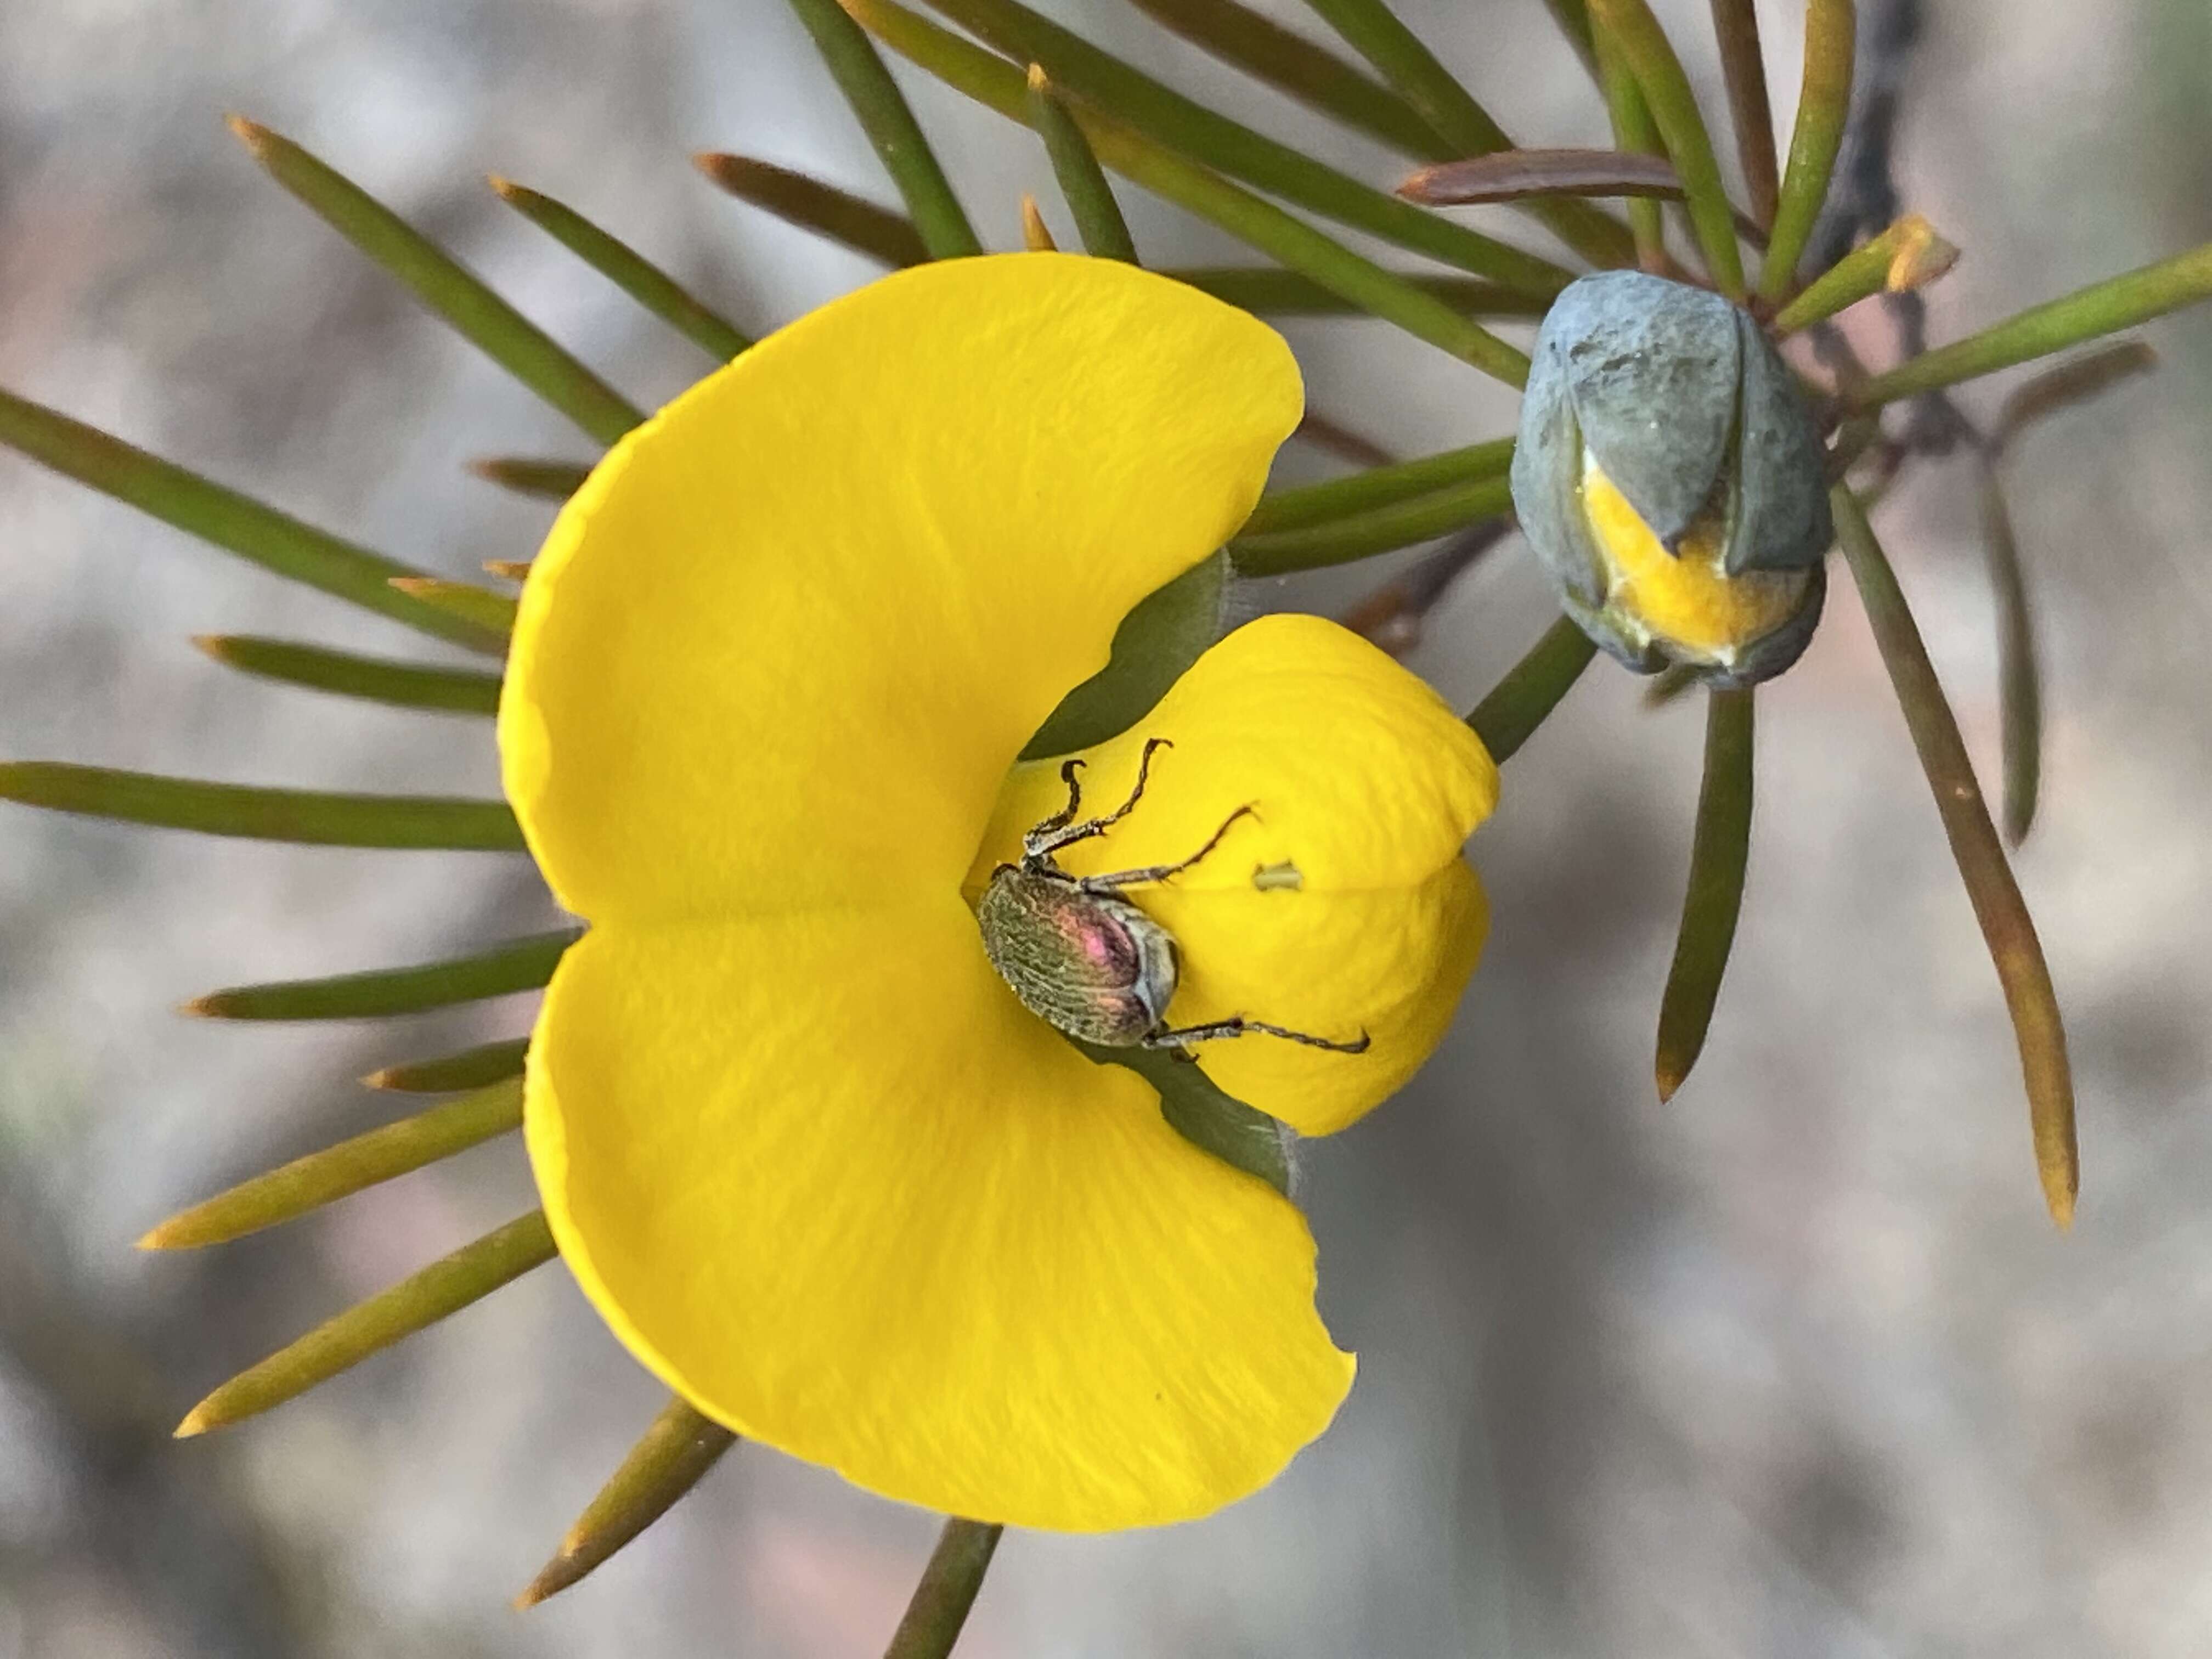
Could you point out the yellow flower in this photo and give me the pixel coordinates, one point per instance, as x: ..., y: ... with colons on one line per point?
x: 801, y: 1146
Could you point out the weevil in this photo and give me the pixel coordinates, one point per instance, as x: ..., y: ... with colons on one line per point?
x: 1088, y: 961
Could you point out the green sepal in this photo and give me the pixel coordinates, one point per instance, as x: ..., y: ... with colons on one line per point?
x: 1156, y: 642
x: 1239, y: 1135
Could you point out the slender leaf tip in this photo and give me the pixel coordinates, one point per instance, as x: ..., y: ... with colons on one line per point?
x: 252, y: 134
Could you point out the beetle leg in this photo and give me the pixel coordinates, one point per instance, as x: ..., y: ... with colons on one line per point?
x: 1237, y: 1025
x: 1107, y: 883
x: 1033, y: 843
x: 1056, y: 832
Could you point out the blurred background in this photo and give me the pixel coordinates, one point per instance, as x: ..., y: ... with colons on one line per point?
x: 1795, y: 1366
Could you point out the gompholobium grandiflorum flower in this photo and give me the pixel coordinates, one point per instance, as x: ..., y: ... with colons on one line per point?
x: 806, y: 1149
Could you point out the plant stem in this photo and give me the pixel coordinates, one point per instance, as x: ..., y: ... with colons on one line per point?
x: 948, y: 1589
x: 1531, y: 690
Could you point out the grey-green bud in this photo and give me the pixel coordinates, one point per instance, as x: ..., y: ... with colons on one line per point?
x: 1669, y: 478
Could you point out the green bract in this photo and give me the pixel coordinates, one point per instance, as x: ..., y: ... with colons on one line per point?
x: 1674, y: 399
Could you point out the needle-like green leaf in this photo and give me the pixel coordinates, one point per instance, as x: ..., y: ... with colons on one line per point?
x: 1735, y: 23
x: 229, y: 809
x: 1824, y: 103
x: 492, y: 612
x: 528, y: 474
x: 445, y: 1286
x: 1082, y: 184
x: 2102, y: 307
x: 891, y: 128
x: 442, y: 283
x: 521, y: 965
x: 948, y: 1589
x: 628, y: 270
x: 1370, y: 29
x: 1629, y: 26
x: 800, y: 199
x: 1718, y: 855
x: 233, y: 522
x: 1573, y: 18
x: 471, y: 1069
x: 995, y: 82
x: 1139, y: 104
x: 2020, y: 673
x: 1907, y: 255
x: 1377, y: 487
x: 1291, y: 63
x: 1634, y: 132
x: 319, y: 1178
x: 1378, y: 530
x: 1508, y: 716
x: 374, y: 679
x: 1270, y: 293
x: 1998, y: 906
x: 673, y: 1456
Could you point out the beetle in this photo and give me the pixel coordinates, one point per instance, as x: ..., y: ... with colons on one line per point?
x: 1086, y: 960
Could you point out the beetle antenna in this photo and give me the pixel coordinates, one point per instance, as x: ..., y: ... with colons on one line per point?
x: 1106, y: 884
x: 1237, y: 1025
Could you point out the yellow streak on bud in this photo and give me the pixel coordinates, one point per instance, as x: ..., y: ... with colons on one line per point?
x: 1688, y: 599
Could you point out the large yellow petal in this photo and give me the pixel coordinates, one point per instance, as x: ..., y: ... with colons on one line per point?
x: 826, y: 1178
x: 1342, y: 905
x: 783, y: 645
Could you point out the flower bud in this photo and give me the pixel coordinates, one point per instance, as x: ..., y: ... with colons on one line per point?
x: 1669, y: 478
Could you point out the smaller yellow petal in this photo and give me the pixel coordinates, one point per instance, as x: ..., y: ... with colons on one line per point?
x: 1390, y: 964
x: 1337, y: 902
x: 1356, y: 773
